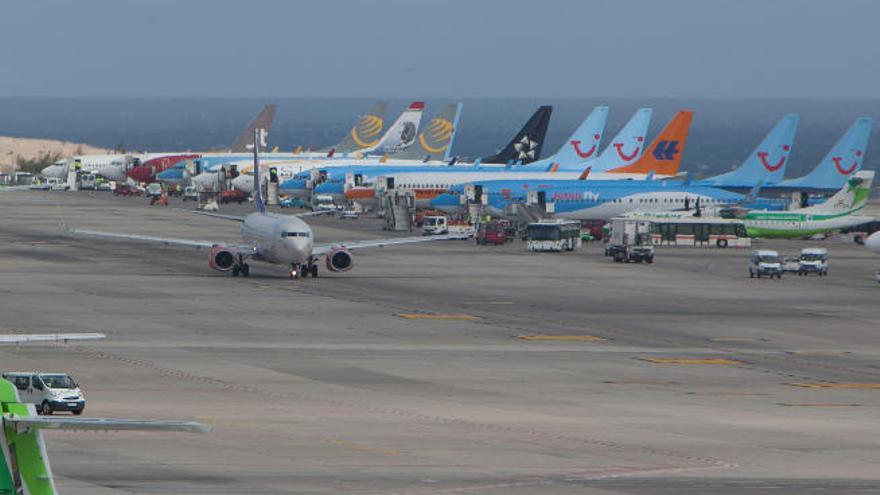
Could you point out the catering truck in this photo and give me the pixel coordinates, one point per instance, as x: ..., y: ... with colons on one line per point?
x: 630, y: 241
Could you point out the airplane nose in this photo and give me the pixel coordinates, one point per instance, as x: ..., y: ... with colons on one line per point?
x: 873, y: 242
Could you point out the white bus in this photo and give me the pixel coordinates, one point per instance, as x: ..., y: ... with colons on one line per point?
x: 699, y: 232
x: 553, y: 236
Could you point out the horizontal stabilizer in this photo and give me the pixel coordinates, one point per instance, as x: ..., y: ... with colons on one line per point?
x: 49, y: 337
x: 22, y: 423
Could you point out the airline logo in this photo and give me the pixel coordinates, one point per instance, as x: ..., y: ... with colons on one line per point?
x: 576, y: 144
x: 439, y: 133
x: 779, y: 163
x: 628, y: 157
x: 666, y: 150
x: 588, y: 196
x: 366, y: 132
x: 525, y: 148
x: 844, y: 170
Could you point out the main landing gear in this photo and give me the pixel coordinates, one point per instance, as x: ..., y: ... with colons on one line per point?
x: 241, y: 268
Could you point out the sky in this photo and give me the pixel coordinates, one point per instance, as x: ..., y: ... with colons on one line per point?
x: 440, y: 48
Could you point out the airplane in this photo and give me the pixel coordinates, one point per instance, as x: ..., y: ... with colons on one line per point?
x: 835, y: 213
x: 400, y: 137
x: 873, y: 242
x: 25, y: 462
x: 766, y: 164
x: 434, y: 143
x: 114, y: 166
x: 269, y: 237
x: 361, y: 135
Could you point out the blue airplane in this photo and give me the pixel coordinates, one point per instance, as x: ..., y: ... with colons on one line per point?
x: 603, y: 199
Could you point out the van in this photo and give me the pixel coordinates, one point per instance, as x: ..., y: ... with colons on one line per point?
x: 435, y: 225
x: 765, y: 262
x: 48, y: 392
x: 813, y: 260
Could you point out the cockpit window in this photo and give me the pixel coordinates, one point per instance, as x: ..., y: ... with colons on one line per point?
x: 294, y: 234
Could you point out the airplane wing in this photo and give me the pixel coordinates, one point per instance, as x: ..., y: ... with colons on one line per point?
x: 49, y: 337
x: 161, y: 240
x: 22, y: 423
x: 320, y: 249
x: 234, y: 218
x: 313, y: 213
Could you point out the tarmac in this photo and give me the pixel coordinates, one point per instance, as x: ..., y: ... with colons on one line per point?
x: 443, y: 367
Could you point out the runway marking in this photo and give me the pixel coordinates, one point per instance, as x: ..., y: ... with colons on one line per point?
x: 640, y: 382
x: 818, y: 404
x: 364, y: 448
x: 737, y: 339
x: 438, y: 316
x: 858, y: 386
x: 715, y: 361
x: 563, y: 338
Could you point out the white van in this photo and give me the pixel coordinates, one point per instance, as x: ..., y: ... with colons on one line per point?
x: 48, y: 392
x: 813, y: 260
x: 765, y: 262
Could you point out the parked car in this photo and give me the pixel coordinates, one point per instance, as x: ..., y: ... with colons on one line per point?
x: 127, y: 190
x: 491, y: 233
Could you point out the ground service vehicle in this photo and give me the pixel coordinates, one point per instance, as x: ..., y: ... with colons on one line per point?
x: 765, y: 262
x: 553, y: 236
x: 435, y: 225
x: 190, y: 193
x: 87, y: 181
x: 48, y: 392
x: 324, y: 202
x: 491, y: 233
x: 630, y: 240
x: 233, y: 196
x: 813, y: 260
x: 154, y: 190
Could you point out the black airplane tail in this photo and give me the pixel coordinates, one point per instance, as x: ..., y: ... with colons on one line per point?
x: 245, y: 141
x: 526, y: 146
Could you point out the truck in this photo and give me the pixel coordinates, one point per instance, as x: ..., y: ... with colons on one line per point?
x: 813, y: 260
x: 630, y: 240
x: 435, y: 225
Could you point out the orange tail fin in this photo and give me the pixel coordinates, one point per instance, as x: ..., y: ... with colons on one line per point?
x: 663, y: 156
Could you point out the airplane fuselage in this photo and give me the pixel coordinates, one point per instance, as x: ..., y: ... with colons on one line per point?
x: 280, y: 239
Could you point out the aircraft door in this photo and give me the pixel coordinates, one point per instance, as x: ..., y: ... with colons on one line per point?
x: 478, y: 194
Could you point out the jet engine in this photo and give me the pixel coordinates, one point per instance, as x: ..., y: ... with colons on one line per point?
x: 339, y: 259
x: 222, y: 259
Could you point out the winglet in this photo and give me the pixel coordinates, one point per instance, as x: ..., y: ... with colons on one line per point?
x: 585, y: 174
x: 663, y: 156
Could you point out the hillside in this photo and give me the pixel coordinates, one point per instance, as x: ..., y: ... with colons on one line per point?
x: 15, y: 151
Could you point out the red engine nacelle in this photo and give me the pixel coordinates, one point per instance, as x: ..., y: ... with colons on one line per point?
x: 339, y: 259
x: 221, y: 259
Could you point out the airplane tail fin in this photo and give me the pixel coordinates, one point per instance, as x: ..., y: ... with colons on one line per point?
x: 844, y: 159
x: 768, y: 161
x: 850, y: 198
x: 527, y: 143
x: 628, y: 145
x: 402, y: 133
x: 263, y: 120
x: 584, y: 143
x: 435, y: 141
x: 663, y: 156
x: 365, y: 133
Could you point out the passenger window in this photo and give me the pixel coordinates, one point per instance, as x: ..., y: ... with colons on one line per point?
x: 38, y: 384
x: 22, y: 382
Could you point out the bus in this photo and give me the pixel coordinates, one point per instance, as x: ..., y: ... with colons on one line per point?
x: 700, y: 232
x: 553, y: 236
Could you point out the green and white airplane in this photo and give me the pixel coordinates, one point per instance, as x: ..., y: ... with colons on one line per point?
x: 837, y: 212
x: 25, y: 466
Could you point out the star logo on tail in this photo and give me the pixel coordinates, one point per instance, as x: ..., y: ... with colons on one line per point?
x: 526, y: 148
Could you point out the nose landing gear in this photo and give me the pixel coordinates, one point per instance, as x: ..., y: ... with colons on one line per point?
x: 303, y: 270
